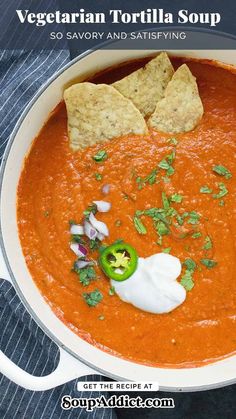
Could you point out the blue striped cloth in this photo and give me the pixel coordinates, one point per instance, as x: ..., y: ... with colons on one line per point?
x: 21, y: 75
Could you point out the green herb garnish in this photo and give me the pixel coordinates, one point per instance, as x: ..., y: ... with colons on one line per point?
x: 166, y: 250
x: 94, y: 244
x: 187, y: 280
x: 101, y: 248
x: 141, y: 229
x: 91, y: 208
x: 221, y: 203
x: 196, y: 235
x: 172, y: 141
x: 100, y: 156
x: 77, y: 238
x: 176, y: 197
x: 161, y: 228
x: 166, y: 164
x: 98, y: 176
x: 86, y: 275
x: 111, y: 291
x: 223, y: 191
x: 205, y: 189
x: 209, y: 263
x: 193, y: 217
x: 165, y: 201
x: 222, y: 171
x: 207, y: 243
x: 150, y: 178
x: 93, y: 298
x: 190, y: 264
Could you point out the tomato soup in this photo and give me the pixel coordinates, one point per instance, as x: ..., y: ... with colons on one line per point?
x: 57, y: 185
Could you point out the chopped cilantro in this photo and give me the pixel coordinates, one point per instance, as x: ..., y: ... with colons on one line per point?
x: 196, y: 235
x: 209, y: 263
x: 46, y: 213
x: 94, y: 244
x: 112, y: 291
x: 176, y: 197
x: 207, y: 243
x: 205, y: 189
x: 93, y: 298
x: 222, y: 171
x: 187, y: 280
x: 77, y: 238
x: 166, y: 250
x: 165, y: 201
x: 190, y: 264
x: 223, y: 191
x: 72, y: 222
x: 161, y: 228
x: 170, y: 158
x: 141, y: 229
x: 91, y: 208
x: 117, y: 223
x: 86, y: 275
x: 98, y: 176
x: 170, y: 171
x: 179, y: 219
x: 172, y: 141
x: 193, y: 217
x: 164, y: 164
x: 100, y: 156
x: 101, y: 248
x: 150, y: 178
x: 221, y: 203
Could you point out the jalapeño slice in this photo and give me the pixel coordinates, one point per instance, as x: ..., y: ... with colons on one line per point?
x: 119, y: 261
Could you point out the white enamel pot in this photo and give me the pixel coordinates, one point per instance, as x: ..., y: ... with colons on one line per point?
x: 77, y: 357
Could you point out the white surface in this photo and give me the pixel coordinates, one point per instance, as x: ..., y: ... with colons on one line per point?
x: 212, y: 375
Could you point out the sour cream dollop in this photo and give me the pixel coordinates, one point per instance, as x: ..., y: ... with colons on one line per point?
x: 153, y: 286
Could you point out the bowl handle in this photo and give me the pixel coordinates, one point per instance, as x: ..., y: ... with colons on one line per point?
x: 68, y: 369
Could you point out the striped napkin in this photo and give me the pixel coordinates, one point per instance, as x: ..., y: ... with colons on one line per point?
x: 21, y: 75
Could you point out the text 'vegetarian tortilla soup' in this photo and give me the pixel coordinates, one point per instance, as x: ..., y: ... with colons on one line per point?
x: 188, y: 178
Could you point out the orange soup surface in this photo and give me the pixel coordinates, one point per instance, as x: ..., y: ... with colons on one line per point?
x: 57, y: 185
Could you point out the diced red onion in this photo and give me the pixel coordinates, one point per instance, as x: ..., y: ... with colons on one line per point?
x: 98, y: 225
x: 82, y: 249
x: 80, y: 264
x: 100, y: 236
x: 77, y: 229
x: 78, y: 249
x: 106, y: 189
x: 89, y: 230
x: 102, y: 206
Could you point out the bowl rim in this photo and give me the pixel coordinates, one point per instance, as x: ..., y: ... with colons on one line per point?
x: 41, y: 324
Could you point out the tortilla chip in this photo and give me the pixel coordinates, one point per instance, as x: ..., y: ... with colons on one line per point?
x: 97, y: 113
x: 146, y: 86
x: 181, y: 108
